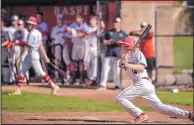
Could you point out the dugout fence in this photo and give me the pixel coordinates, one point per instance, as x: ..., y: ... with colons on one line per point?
x: 174, y: 26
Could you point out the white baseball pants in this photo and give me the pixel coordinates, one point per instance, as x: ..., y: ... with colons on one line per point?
x: 42, y: 60
x: 32, y: 60
x: 12, y: 67
x: 78, y: 52
x: 92, y: 62
x: 145, y: 89
x: 16, y: 53
x: 106, y: 62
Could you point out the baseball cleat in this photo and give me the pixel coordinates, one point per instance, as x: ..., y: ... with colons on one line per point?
x: 101, y: 88
x: 141, y: 118
x: 191, y: 116
x: 17, y: 92
x: 55, y: 90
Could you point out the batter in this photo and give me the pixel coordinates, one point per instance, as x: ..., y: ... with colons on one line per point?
x: 142, y: 86
x: 34, y: 43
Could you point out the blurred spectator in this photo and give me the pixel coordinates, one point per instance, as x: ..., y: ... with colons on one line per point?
x: 43, y: 28
x: 112, y: 54
x: 92, y: 57
x: 79, y: 52
x: 146, y: 46
x: 58, y: 36
x: 4, y: 41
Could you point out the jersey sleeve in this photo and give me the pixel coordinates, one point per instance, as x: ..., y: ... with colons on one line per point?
x: 106, y: 36
x: 125, y: 35
x: 25, y: 36
x: 45, y: 29
x: 40, y: 37
x: 53, y: 33
x: 7, y: 37
x: 140, y: 59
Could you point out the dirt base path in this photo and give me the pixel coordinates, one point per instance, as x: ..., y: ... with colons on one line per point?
x: 84, y: 117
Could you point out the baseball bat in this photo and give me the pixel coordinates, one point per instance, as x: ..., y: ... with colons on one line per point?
x: 143, y: 35
x: 60, y: 71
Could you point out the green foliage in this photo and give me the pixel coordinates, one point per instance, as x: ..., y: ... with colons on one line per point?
x: 183, y: 53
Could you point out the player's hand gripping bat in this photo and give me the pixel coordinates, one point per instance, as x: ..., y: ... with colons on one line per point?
x: 128, y: 54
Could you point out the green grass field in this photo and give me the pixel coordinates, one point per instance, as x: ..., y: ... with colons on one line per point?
x: 33, y: 102
x: 183, y: 53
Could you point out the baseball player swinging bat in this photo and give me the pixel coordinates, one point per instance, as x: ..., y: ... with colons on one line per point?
x: 125, y: 57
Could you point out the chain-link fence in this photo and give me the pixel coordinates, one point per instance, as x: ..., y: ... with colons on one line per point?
x: 174, y: 45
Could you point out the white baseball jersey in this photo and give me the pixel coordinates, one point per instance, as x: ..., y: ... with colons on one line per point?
x: 25, y: 34
x: 83, y: 28
x: 43, y: 28
x: 137, y: 57
x: 92, y: 35
x: 57, y: 34
x: 34, y: 40
x: 11, y: 30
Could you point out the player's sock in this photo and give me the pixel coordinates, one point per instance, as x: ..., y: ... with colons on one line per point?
x: 20, y: 82
x: 68, y: 68
x: 49, y: 81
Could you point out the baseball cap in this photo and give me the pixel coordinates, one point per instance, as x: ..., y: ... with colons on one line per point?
x: 21, y: 22
x: 14, y: 18
x: 59, y: 16
x: 117, y: 20
x: 143, y: 24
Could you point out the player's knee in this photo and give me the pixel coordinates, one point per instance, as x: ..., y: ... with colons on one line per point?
x: 119, y: 98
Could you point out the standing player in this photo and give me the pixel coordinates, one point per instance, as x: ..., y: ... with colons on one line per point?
x: 112, y: 54
x: 92, y: 59
x: 79, y: 49
x: 34, y: 43
x: 43, y: 28
x: 142, y: 86
x: 20, y: 39
x: 146, y: 46
x: 58, y: 36
x: 11, y: 30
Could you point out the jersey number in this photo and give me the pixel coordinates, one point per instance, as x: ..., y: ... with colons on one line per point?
x: 134, y: 72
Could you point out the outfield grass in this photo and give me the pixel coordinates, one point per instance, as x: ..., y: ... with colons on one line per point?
x: 183, y: 53
x: 33, y: 102
x: 183, y: 98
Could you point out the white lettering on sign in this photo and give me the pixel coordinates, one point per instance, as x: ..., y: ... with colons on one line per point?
x: 72, y: 10
x: 65, y: 11
x: 86, y: 10
x: 56, y: 10
x: 79, y: 10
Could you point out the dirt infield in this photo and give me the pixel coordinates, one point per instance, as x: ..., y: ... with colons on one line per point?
x: 84, y: 117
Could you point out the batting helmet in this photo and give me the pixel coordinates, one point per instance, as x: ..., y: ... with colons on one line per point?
x: 128, y: 43
x: 32, y: 20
